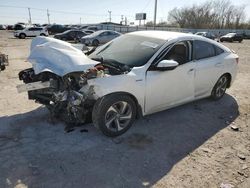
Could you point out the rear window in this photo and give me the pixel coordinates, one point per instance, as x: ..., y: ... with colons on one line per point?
x: 218, y: 50
x: 203, y: 50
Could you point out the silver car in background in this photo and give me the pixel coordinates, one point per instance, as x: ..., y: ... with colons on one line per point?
x: 99, y: 37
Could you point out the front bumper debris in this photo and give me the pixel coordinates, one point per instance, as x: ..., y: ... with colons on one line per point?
x: 36, y: 85
x: 4, y: 61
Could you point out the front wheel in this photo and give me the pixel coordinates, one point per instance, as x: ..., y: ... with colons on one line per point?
x: 220, y: 88
x: 22, y: 36
x: 114, y: 114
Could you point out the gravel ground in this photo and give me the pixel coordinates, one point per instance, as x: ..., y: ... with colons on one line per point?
x: 189, y: 146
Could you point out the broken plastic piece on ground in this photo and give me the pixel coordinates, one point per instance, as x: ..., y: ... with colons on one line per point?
x: 241, y: 156
x: 234, y: 127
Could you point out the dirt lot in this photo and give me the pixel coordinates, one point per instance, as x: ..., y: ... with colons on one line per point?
x: 188, y: 146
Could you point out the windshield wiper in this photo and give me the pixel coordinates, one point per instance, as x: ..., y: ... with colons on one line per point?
x: 116, y: 64
x: 90, y: 51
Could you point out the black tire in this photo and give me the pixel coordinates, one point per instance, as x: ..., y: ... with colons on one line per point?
x: 22, y: 36
x: 220, y: 87
x: 106, y: 119
x: 42, y: 34
x: 95, y: 43
x: 2, y: 67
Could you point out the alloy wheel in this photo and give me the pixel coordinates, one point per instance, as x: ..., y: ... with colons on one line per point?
x: 118, y: 116
x: 221, y: 87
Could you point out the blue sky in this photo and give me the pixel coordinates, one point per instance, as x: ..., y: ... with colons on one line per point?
x: 91, y: 11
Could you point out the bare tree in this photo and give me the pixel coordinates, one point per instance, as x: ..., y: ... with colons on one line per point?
x: 211, y: 14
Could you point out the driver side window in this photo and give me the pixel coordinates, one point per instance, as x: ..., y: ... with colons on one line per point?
x: 180, y: 53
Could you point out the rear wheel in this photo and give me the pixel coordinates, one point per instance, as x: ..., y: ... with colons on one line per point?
x: 42, y: 34
x: 220, y: 87
x: 22, y: 36
x: 114, y: 114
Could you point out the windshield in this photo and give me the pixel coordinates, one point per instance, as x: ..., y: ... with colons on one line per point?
x: 131, y: 50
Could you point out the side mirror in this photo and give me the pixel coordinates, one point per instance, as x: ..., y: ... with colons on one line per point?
x: 165, y: 65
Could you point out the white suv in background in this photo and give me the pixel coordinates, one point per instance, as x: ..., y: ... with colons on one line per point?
x: 31, y: 32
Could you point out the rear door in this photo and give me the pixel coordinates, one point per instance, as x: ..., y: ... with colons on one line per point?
x: 37, y: 31
x: 72, y: 35
x: 30, y: 32
x: 103, y: 37
x: 209, y: 66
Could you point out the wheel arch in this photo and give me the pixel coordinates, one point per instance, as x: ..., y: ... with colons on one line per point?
x: 138, y: 106
x: 229, y: 76
x: 22, y: 34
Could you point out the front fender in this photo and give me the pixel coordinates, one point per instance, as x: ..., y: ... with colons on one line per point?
x: 126, y: 83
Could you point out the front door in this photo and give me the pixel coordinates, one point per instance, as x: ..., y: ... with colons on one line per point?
x: 165, y: 89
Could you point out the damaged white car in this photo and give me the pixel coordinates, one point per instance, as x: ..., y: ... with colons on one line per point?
x: 135, y: 74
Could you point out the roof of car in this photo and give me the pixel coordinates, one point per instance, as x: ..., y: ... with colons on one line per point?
x: 165, y: 35
x: 168, y: 35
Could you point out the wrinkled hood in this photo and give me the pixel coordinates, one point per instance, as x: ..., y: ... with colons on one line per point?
x: 59, y: 57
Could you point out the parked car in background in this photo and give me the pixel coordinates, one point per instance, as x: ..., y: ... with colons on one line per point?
x: 10, y: 27
x: 138, y: 73
x: 246, y: 36
x: 2, y: 27
x: 31, y: 32
x: 93, y: 28
x: 206, y: 34
x: 231, y: 37
x: 70, y: 35
x: 83, y: 27
x: 99, y: 37
x: 89, y: 31
x: 19, y: 27
x: 56, y: 28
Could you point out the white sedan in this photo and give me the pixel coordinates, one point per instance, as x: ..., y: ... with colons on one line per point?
x: 139, y: 73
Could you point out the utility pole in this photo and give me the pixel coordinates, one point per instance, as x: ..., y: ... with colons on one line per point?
x: 48, y: 16
x: 109, y: 15
x: 29, y: 16
x: 80, y: 20
x: 122, y: 19
x: 155, y: 13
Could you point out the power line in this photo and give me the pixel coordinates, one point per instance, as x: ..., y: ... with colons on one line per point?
x: 60, y: 11
x: 149, y: 1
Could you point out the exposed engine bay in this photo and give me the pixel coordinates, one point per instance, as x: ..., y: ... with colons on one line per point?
x: 68, y: 97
